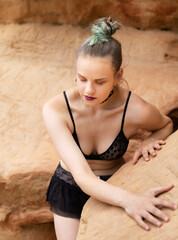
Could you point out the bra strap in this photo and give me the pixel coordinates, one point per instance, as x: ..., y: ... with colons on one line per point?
x: 69, y: 109
x: 125, y: 108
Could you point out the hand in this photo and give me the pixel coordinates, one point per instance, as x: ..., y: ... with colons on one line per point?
x: 148, y: 147
x: 144, y: 206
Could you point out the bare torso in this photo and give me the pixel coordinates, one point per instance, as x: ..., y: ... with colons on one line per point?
x: 101, y: 167
x: 95, y: 133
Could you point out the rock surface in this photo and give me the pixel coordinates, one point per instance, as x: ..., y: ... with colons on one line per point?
x: 36, y: 63
x: 162, y: 14
x: 103, y: 221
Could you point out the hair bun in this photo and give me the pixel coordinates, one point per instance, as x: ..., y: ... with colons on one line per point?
x: 105, y: 26
x: 103, y: 29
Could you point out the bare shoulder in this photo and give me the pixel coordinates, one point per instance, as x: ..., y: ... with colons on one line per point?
x: 55, y: 104
x: 146, y: 115
x: 55, y: 109
x: 137, y: 104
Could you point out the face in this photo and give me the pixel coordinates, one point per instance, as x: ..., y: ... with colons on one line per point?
x: 95, y: 78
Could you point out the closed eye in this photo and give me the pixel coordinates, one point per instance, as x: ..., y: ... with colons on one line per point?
x: 100, y: 83
x: 82, y: 79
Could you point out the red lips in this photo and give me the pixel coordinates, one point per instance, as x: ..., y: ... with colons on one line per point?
x: 89, y: 98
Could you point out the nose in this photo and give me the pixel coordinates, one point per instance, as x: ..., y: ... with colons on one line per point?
x: 89, y: 89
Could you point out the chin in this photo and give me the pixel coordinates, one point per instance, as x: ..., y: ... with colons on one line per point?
x: 91, y: 103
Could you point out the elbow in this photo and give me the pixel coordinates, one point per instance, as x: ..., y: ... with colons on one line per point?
x: 170, y: 126
x: 79, y: 177
x: 82, y: 174
x: 82, y: 179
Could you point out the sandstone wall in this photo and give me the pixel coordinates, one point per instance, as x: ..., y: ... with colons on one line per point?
x: 146, y: 14
x: 37, y: 62
x: 103, y: 221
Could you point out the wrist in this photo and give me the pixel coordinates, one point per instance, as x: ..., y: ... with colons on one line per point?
x: 122, y: 196
x: 150, y: 138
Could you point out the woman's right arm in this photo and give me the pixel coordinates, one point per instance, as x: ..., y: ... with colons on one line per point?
x: 136, y: 205
x: 69, y: 152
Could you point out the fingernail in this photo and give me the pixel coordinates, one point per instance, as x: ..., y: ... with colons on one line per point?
x: 147, y: 159
x: 147, y: 228
x: 158, y: 224
x: 166, y: 219
x: 174, y: 206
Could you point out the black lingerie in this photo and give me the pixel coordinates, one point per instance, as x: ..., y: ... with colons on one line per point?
x: 116, y: 149
x: 64, y: 195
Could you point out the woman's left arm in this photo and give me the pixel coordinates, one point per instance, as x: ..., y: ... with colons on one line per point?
x: 161, y: 126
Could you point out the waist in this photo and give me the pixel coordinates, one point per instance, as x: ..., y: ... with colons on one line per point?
x: 102, y: 167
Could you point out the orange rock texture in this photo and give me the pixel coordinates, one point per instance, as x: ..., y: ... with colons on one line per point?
x: 36, y: 63
x: 146, y: 14
x: 103, y: 221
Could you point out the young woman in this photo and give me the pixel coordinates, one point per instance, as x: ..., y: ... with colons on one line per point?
x: 90, y: 126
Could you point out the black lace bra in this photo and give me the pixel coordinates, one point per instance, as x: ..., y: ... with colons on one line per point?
x: 118, y: 146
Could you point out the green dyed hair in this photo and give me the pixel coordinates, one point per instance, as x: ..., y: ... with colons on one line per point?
x: 101, y: 43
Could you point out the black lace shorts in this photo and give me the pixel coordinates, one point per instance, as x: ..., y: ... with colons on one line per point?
x: 64, y: 195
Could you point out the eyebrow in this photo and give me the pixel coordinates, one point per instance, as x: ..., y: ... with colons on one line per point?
x: 94, y: 79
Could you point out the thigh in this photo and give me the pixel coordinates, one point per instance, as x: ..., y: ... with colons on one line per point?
x: 66, y: 228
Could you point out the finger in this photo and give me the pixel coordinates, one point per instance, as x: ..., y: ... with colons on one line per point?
x: 157, y: 212
x: 152, y: 219
x: 162, y: 142
x: 159, y: 190
x: 137, y: 155
x: 145, y: 155
x: 157, y: 146
x: 141, y: 223
x: 152, y: 152
x: 164, y: 203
